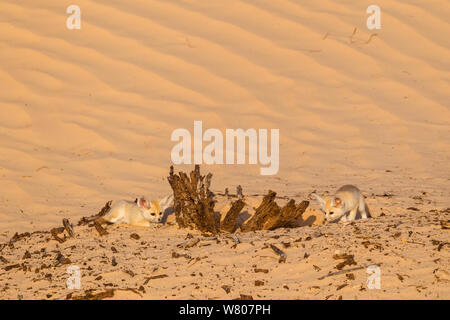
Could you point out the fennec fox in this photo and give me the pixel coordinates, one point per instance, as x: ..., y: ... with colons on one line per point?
x: 140, y: 213
x: 344, y: 205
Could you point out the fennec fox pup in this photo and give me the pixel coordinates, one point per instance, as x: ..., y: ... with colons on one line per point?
x: 344, y: 205
x: 141, y: 213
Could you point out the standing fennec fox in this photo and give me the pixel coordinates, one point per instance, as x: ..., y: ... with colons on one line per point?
x: 344, y: 205
x: 141, y: 213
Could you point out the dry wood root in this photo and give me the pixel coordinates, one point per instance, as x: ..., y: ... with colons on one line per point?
x: 194, y: 207
x: 269, y: 215
x: 193, y: 201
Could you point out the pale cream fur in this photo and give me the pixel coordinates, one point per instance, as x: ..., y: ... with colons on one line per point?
x: 142, y: 213
x: 344, y: 205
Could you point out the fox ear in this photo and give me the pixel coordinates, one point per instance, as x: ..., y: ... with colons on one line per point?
x: 143, y: 203
x: 166, y: 202
x: 338, y: 202
x: 319, y: 199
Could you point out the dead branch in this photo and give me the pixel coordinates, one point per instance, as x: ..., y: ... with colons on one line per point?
x: 102, y: 231
x: 193, y: 201
x: 279, y: 252
x: 68, y: 227
x: 269, y: 215
x: 86, y: 220
x: 229, y: 223
x: 194, y: 206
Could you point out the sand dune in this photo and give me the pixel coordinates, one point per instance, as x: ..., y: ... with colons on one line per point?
x: 87, y: 114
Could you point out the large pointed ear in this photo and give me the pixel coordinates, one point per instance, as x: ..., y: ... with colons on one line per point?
x: 166, y: 202
x: 338, y: 202
x: 143, y: 203
x: 319, y: 199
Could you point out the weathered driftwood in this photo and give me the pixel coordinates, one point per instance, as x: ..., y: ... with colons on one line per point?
x: 279, y: 252
x: 103, y: 211
x: 229, y: 223
x: 56, y: 231
x: 193, y: 201
x: 90, y: 295
x: 269, y: 215
x: 194, y: 207
x: 68, y: 227
x: 98, y: 226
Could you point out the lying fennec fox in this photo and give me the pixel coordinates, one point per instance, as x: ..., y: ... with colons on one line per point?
x: 344, y: 205
x: 141, y: 213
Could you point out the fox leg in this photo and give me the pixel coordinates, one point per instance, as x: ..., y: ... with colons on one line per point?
x: 141, y: 223
x: 352, y: 214
x: 115, y: 216
x: 362, y: 209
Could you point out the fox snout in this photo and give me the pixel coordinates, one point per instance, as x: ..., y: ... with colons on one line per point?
x: 333, y: 215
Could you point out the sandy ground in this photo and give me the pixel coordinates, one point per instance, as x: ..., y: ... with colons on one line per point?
x: 331, y: 261
x: 86, y: 116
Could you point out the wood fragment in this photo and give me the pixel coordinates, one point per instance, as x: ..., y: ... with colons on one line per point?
x: 68, y: 227
x: 259, y: 283
x: 239, y: 192
x: 341, y: 272
x: 184, y: 255
x: 192, y: 243
x: 134, y: 236
x: 230, y: 223
x: 226, y: 288
x: 89, y: 295
x: 55, y: 232
x: 147, y: 279
x: 350, y: 276
x: 61, y: 260
x: 441, y: 245
x: 128, y: 271
x: 348, y: 260
x: 341, y: 286
x: 16, y: 237
x: 86, y: 220
x: 102, y: 231
x: 193, y: 201
x: 280, y: 252
x: 236, y: 241
x: 269, y: 215
x: 258, y: 270
x: 14, y: 266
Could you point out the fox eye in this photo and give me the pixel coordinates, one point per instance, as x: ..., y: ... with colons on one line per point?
x: 152, y: 213
x: 332, y: 212
x: 160, y: 213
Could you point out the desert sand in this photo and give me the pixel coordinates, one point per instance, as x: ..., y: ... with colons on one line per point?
x: 87, y: 117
